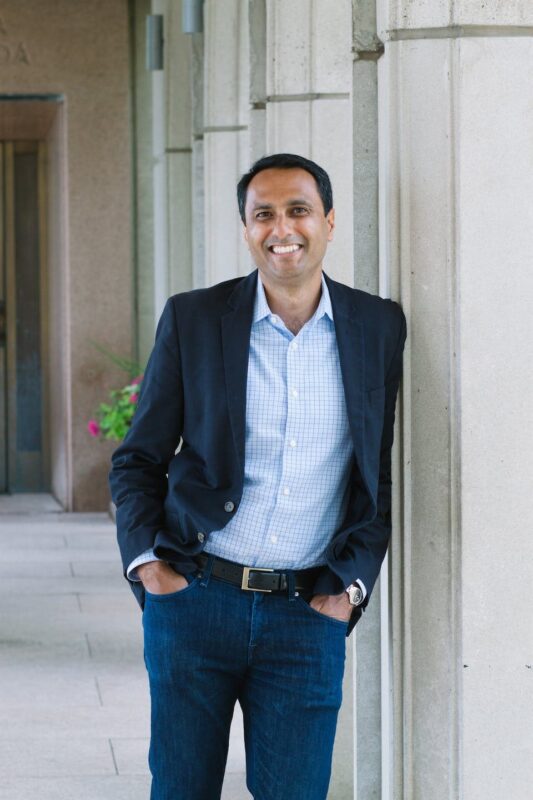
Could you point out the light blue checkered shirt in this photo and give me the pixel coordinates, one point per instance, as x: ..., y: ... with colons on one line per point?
x: 299, y: 450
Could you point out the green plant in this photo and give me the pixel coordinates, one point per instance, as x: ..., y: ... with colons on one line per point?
x: 112, y: 420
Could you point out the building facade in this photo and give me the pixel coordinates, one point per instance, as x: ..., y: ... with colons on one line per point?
x: 422, y: 113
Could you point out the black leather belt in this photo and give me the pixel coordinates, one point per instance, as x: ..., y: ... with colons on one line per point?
x: 258, y: 579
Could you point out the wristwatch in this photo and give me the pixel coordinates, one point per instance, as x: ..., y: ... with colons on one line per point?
x: 355, y: 594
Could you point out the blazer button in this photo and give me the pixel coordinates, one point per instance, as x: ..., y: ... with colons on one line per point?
x: 201, y: 536
x: 229, y: 506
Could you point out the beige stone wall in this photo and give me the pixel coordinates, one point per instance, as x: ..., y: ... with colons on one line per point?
x: 457, y: 126
x: 81, y: 50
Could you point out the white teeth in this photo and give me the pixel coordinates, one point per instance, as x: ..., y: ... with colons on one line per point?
x: 288, y: 248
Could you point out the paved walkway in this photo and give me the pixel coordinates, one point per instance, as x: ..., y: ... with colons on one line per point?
x: 74, y: 702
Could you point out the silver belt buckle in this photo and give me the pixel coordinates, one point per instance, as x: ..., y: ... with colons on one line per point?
x: 246, y: 576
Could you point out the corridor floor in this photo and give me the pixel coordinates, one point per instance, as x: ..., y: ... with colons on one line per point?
x: 74, y: 702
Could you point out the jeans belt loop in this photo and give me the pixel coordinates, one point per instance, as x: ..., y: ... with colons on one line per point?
x: 207, y: 570
x: 292, y: 586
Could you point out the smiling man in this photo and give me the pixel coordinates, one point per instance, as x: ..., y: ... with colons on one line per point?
x: 253, y: 547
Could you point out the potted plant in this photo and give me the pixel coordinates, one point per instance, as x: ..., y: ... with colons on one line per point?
x: 112, y: 419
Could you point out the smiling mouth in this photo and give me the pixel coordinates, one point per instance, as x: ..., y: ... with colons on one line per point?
x: 284, y: 249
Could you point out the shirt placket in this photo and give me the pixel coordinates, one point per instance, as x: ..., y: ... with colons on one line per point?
x: 287, y: 487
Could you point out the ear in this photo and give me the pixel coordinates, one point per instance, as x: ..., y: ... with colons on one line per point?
x: 245, y: 232
x: 330, y: 219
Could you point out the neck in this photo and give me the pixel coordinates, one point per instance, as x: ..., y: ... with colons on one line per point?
x: 295, y: 304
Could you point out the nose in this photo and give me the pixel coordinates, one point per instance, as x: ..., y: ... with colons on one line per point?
x: 282, y: 227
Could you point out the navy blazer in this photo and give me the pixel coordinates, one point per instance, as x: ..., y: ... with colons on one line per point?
x: 183, y: 458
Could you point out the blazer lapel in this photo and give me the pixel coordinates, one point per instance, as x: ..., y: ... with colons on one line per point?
x: 236, y: 327
x: 351, y: 346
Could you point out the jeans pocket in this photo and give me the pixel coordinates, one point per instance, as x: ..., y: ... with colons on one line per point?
x: 318, y: 614
x: 193, y: 580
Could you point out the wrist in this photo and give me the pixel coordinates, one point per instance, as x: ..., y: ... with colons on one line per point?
x: 152, y: 568
x: 341, y: 599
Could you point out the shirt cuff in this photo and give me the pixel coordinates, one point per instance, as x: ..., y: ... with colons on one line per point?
x: 144, y: 558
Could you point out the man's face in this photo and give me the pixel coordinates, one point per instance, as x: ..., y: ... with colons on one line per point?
x: 286, y: 230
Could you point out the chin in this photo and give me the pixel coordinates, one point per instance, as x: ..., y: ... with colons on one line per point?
x: 284, y: 268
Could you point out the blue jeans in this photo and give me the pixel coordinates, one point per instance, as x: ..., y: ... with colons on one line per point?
x: 212, y: 644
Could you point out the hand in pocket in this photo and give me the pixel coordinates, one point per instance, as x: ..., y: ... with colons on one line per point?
x: 158, y: 577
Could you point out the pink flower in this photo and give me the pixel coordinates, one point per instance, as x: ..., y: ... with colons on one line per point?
x: 93, y: 427
x: 137, y: 380
x: 134, y: 397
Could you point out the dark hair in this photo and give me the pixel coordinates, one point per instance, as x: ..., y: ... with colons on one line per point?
x: 286, y: 161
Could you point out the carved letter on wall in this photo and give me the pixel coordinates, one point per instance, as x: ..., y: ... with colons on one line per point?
x: 14, y: 54
x: 10, y: 53
x: 21, y: 54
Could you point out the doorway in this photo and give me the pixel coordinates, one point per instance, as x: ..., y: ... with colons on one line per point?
x: 24, y: 433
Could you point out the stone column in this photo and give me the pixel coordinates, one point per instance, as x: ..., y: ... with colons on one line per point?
x: 371, y: 679
x: 258, y: 68
x: 457, y: 125
x: 307, y: 102
x: 160, y: 173
x: 198, y: 194
x: 226, y: 152
x: 143, y: 238
x: 178, y: 122
x: 172, y: 159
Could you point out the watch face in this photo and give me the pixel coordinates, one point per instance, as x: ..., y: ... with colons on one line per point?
x: 355, y: 594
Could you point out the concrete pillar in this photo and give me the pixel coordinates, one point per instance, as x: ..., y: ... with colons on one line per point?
x: 304, y: 93
x: 258, y: 43
x: 160, y: 175
x: 456, y: 128
x: 371, y: 636
x: 172, y: 159
x: 367, y: 50
x: 308, y: 101
x: 164, y: 262
x: 179, y: 150
x: 198, y: 194
x: 143, y: 251
x: 226, y: 153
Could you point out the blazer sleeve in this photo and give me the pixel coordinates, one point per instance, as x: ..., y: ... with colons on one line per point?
x: 373, y: 539
x: 138, y: 478
x: 360, y: 555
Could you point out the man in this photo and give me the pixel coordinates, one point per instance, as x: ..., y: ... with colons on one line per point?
x: 262, y: 439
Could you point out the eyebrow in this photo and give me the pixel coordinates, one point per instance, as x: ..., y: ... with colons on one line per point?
x: 295, y: 202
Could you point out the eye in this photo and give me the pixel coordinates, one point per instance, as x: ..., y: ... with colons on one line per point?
x: 262, y: 214
x: 300, y: 210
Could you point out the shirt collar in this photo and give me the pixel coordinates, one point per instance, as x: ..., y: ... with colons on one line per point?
x: 262, y: 309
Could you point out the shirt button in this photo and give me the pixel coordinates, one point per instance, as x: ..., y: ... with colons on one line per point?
x: 292, y: 442
x: 201, y: 536
x: 273, y: 319
x: 229, y: 506
x: 294, y: 392
x: 294, y: 345
x: 274, y: 539
x: 286, y: 490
